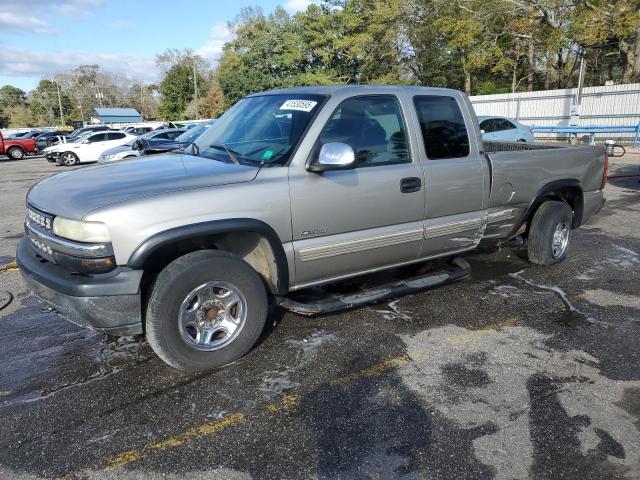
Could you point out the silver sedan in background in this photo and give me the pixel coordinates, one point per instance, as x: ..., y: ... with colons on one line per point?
x: 127, y: 151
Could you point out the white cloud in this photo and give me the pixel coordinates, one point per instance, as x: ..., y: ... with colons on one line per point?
x: 68, y: 8
x: 294, y: 6
x: 23, y: 62
x: 78, y: 8
x: 218, y: 36
x: 122, y: 25
x: 23, y: 23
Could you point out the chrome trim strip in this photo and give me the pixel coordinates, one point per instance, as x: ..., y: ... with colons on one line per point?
x: 502, y: 214
x: 451, y: 228
x: 76, y: 249
x: 359, y: 245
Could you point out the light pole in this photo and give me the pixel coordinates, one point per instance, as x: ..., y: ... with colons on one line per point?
x: 195, y: 86
x: 60, y: 104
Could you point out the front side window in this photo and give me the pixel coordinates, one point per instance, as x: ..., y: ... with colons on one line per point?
x: 373, y: 126
x: 260, y: 129
x: 100, y: 137
x: 504, y: 124
x: 115, y: 135
x: 444, y: 132
x: 487, y: 125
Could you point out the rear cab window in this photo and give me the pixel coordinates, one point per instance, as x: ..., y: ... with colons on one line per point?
x: 444, y: 132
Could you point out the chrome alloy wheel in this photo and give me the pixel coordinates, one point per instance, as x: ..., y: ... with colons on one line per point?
x: 212, y: 315
x: 560, y: 238
x: 69, y: 159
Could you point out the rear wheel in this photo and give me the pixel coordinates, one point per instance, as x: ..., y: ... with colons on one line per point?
x: 69, y: 159
x: 550, y: 233
x: 206, y: 310
x: 15, y: 153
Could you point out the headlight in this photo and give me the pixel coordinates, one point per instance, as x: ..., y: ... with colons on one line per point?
x: 90, y: 232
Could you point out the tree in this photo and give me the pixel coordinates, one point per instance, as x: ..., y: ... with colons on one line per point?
x: 213, y: 105
x: 177, y: 91
x: 11, y: 96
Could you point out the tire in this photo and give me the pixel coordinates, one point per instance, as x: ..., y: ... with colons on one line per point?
x: 68, y: 159
x: 178, y: 320
x: 550, y: 233
x: 15, y: 153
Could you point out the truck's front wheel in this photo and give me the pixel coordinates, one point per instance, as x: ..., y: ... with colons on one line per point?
x: 206, y: 310
x: 550, y: 233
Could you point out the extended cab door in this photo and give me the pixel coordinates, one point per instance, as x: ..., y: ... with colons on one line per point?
x: 455, y: 171
x: 353, y: 221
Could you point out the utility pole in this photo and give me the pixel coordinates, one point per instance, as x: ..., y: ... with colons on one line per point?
x: 142, y: 100
x: 195, y: 87
x: 60, y: 104
x: 575, y: 108
x: 99, y: 95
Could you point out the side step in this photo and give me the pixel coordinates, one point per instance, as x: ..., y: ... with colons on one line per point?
x: 311, y: 306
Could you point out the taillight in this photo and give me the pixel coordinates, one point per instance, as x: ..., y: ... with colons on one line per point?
x: 605, y: 173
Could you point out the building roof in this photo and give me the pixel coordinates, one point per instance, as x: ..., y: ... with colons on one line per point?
x: 118, y: 115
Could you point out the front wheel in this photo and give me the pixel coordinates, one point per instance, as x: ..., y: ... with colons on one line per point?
x: 550, y: 233
x: 69, y: 159
x: 206, y: 310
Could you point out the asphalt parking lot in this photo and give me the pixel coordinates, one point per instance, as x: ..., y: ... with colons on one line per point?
x: 516, y: 372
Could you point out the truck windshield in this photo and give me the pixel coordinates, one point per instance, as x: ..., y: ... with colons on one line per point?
x: 260, y: 129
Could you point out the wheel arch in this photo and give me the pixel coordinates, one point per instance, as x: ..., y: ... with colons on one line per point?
x: 568, y: 190
x: 15, y: 147
x: 252, y: 240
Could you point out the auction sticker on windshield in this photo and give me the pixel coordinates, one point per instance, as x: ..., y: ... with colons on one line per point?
x: 301, y: 105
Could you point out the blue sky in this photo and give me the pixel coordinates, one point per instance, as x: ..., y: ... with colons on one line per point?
x: 39, y: 38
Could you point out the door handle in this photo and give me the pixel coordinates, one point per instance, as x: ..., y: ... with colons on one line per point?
x: 410, y: 184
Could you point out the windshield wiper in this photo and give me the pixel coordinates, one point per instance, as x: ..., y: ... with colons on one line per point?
x: 195, y: 150
x: 232, y: 153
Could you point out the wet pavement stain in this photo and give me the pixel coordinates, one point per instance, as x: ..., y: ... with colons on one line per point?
x: 557, y: 452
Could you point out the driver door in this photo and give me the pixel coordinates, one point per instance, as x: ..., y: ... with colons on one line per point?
x: 354, y: 221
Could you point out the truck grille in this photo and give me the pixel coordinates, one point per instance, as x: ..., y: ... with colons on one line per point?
x: 40, y: 219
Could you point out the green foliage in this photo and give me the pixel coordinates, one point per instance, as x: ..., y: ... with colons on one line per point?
x: 177, y: 90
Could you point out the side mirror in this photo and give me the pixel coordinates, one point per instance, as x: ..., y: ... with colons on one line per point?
x: 139, y: 144
x: 334, y: 156
x: 482, y: 132
x: 85, y: 141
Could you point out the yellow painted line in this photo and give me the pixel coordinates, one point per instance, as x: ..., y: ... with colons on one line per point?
x: 482, y: 331
x: 373, y: 371
x: 134, y: 455
x: 10, y: 267
x: 286, y: 403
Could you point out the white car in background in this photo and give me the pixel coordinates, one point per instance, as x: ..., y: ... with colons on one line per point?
x: 127, y: 151
x: 87, y: 149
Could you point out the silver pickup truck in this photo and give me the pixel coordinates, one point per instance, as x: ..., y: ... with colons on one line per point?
x: 291, y: 189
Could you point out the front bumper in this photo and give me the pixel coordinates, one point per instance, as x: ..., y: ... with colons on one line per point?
x: 109, y: 302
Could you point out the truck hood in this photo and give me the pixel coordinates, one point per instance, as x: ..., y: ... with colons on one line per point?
x: 75, y: 193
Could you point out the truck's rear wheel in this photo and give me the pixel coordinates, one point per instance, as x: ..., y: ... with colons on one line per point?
x: 206, y: 310
x: 15, y: 153
x: 550, y: 233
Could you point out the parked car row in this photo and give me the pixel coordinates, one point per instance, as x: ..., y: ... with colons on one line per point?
x: 112, y: 145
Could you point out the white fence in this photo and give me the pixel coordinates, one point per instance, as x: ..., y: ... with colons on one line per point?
x: 608, y: 105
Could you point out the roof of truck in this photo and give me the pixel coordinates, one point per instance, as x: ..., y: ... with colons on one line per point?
x: 358, y: 89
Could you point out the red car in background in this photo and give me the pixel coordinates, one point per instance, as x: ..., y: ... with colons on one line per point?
x: 16, y: 148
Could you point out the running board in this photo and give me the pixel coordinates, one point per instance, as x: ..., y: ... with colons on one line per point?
x: 457, y: 271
